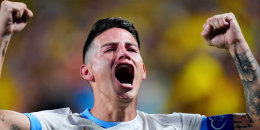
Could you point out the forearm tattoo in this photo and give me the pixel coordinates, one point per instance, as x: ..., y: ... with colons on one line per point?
x: 3, y: 48
x: 249, y: 73
x: 242, y: 121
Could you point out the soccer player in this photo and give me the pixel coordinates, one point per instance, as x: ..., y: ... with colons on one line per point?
x: 115, y: 70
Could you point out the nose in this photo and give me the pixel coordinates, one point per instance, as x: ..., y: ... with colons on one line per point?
x: 123, y: 54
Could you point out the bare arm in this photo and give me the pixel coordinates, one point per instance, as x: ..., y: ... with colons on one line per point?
x: 4, y: 41
x: 223, y: 31
x: 249, y: 73
x: 10, y: 120
x: 13, y: 18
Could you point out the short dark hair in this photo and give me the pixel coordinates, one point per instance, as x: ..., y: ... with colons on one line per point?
x: 105, y: 24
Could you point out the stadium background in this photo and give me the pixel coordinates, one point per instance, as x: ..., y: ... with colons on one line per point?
x: 184, y: 74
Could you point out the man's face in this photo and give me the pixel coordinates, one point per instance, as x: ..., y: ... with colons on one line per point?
x: 116, y: 65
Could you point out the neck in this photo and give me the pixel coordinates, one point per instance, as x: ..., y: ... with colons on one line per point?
x: 114, y: 111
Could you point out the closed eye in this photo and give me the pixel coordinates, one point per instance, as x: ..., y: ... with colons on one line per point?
x: 132, y: 47
x: 110, y: 50
x: 132, y: 50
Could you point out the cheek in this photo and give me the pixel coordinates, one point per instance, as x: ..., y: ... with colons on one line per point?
x: 139, y: 65
x: 139, y: 61
x: 98, y: 62
x: 101, y: 66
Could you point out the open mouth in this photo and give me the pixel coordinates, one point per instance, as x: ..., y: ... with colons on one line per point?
x: 125, y: 74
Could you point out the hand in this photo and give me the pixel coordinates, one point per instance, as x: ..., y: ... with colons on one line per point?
x: 13, y: 17
x: 222, y: 31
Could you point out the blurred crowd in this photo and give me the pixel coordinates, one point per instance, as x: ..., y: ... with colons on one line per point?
x: 42, y: 66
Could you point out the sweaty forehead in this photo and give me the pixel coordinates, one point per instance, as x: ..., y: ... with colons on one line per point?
x: 114, y: 35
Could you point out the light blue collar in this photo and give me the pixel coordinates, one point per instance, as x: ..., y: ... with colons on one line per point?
x: 105, y: 124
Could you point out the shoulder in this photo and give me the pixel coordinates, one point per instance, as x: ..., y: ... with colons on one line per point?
x: 64, y: 119
x: 53, y: 114
x: 60, y: 111
x: 57, y: 118
x: 178, y: 120
x: 176, y: 116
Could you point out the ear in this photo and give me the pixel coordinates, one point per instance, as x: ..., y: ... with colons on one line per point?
x: 144, y: 74
x: 86, y: 73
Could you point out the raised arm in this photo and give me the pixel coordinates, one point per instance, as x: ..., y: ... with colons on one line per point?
x: 13, y: 18
x: 223, y: 31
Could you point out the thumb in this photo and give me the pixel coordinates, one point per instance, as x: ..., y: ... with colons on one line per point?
x: 28, y: 13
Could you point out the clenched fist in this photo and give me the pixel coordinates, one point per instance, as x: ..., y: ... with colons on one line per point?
x: 222, y: 31
x: 13, y: 17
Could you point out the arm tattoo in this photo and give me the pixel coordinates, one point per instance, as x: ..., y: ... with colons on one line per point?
x: 14, y: 127
x: 249, y: 73
x: 4, y: 48
x: 3, y: 45
x: 241, y: 121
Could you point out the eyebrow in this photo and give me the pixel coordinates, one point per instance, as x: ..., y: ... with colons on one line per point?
x: 109, y: 44
x: 131, y: 44
x: 115, y: 43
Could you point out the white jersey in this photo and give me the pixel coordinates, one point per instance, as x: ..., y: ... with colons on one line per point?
x: 64, y: 119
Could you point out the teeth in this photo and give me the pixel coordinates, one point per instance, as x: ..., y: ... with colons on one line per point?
x: 127, y: 84
x: 130, y: 70
x: 123, y: 66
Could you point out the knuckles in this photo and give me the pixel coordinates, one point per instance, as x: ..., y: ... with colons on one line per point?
x: 231, y: 14
x: 4, y: 4
x: 23, y: 5
x: 7, y: 4
x: 221, y: 16
x: 218, y: 21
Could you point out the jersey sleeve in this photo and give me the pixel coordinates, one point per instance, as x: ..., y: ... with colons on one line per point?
x: 34, y: 121
x: 48, y: 119
x: 220, y: 122
x: 204, y: 125
x: 180, y: 121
